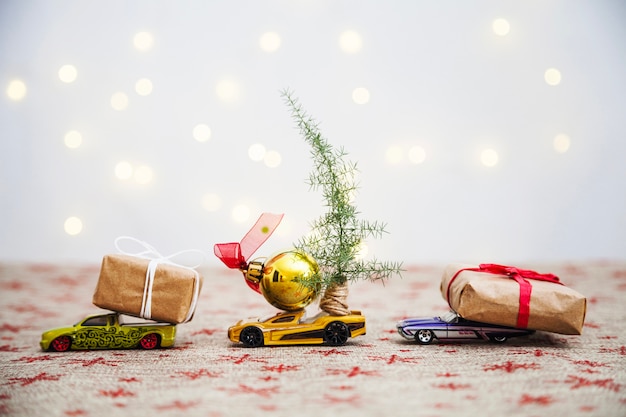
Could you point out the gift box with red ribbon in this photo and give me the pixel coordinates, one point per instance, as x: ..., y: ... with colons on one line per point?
x: 515, y: 297
x: 148, y: 288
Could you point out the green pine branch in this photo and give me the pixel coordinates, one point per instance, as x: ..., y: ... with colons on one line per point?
x: 337, y: 235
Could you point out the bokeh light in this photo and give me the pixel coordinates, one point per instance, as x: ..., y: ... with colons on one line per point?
x: 350, y: 41
x: 73, y: 226
x: 272, y: 159
x: 143, y: 41
x: 240, y: 213
x: 73, y: 139
x: 68, y: 73
x: 361, y: 95
x: 417, y: 155
x: 143, y: 174
x: 361, y: 251
x: 552, y: 76
x: 501, y: 27
x: 143, y: 87
x: 119, y: 101
x: 202, y: 133
x: 561, y: 143
x: 211, y: 202
x: 489, y: 157
x: 228, y: 90
x: 124, y: 170
x: 256, y: 152
x: 270, y: 42
x: 394, y: 155
x: 16, y: 90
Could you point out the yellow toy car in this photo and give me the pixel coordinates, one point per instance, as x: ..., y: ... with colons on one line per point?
x: 109, y: 331
x: 292, y: 328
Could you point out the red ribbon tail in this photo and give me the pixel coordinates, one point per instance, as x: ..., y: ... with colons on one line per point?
x: 235, y: 255
x: 259, y: 233
x: 230, y: 254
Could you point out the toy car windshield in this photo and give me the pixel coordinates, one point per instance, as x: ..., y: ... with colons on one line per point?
x: 450, y: 317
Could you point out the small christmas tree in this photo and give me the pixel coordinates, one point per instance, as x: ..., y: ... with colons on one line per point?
x: 336, y: 237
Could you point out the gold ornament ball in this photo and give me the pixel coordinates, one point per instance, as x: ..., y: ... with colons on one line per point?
x: 279, y: 284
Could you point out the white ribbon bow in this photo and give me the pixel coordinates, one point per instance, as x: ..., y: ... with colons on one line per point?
x: 156, y: 259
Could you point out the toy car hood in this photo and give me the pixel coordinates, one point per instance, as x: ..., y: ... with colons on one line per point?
x: 419, y: 321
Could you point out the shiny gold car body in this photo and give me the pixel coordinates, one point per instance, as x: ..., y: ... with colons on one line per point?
x: 292, y: 328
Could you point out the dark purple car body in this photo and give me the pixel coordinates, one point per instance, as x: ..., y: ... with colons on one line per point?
x: 451, y: 326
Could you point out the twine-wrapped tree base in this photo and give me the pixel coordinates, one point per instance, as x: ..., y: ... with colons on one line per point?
x: 335, y: 299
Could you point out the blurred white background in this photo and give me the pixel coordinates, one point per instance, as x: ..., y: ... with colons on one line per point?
x: 485, y: 131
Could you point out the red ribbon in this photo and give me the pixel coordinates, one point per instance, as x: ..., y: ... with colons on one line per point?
x: 235, y: 255
x: 518, y: 275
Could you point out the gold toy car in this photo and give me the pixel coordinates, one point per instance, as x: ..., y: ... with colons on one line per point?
x: 292, y: 328
x: 109, y: 331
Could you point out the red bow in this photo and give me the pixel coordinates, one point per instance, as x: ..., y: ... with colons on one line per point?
x: 518, y: 275
x: 235, y: 255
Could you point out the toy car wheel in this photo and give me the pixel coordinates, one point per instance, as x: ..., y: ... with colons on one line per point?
x: 61, y: 344
x: 149, y: 341
x: 336, y: 333
x: 251, y: 337
x: 424, y: 336
x: 497, y: 338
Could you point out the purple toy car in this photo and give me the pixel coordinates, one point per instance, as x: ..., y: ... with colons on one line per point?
x: 451, y: 326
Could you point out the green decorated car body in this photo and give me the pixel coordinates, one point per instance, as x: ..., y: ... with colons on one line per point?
x: 109, y: 331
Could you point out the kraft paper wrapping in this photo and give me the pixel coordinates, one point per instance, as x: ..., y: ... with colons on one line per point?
x: 494, y: 299
x: 121, y: 288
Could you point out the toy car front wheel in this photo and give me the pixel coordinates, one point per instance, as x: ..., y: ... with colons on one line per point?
x: 61, y: 344
x: 497, y: 338
x: 251, y: 337
x: 336, y: 333
x: 149, y: 341
x: 424, y: 336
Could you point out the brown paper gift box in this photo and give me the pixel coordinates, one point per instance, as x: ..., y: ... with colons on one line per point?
x: 495, y: 299
x: 121, y: 288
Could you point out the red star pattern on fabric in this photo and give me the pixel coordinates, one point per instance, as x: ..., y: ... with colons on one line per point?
x: 526, y: 399
x: 577, y: 382
x: 352, y: 372
x: 354, y: 400
x: 117, y: 393
x: 329, y: 352
x: 510, y: 367
x: 76, y: 413
x: 179, y: 405
x: 265, y: 392
x: 243, y: 359
x: 31, y: 359
x: 200, y: 373
x: 8, y: 348
x: 92, y: 362
x: 391, y: 359
x: 453, y: 386
x: 206, y: 332
x: 24, y: 381
x: 281, y: 368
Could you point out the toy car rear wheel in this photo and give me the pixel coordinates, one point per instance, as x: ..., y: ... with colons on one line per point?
x: 424, y: 336
x: 149, y: 341
x: 498, y: 338
x: 251, y: 337
x: 61, y: 344
x: 336, y: 333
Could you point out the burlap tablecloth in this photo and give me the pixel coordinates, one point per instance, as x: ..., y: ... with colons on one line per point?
x: 379, y: 374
